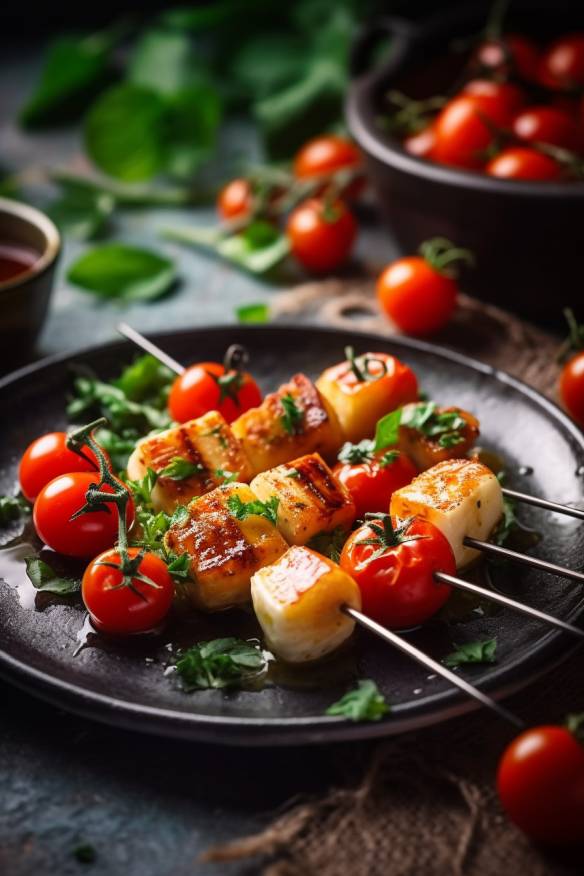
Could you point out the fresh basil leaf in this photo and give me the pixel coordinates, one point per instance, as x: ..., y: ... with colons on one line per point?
x: 161, y: 61
x: 12, y: 507
x: 364, y: 703
x: 387, y: 430
x: 269, y: 62
x: 124, y: 132
x: 72, y: 70
x: 472, y: 652
x: 418, y: 415
x: 191, y: 125
x: 253, y: 313
x: 146, y: 379
x: 44, y: 578
x: 241, y: 510
x: 116, y: 270
x: 81, y: 213
x: 179, y: 469
x: 220, y: 663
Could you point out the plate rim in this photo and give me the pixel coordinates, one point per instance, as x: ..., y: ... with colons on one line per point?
x: 290, y: 730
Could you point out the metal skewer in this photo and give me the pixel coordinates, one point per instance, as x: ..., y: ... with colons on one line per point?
x: 524, y: 559
x: 132, y: 335
x: 443, y: 578
x: 407, y: 648
x: 578, y: 513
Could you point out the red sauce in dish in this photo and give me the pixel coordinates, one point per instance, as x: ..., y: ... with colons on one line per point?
x: 15, y: 260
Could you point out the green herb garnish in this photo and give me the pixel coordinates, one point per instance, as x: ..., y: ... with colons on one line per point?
x: 293, y: 473
x: 12, y: 507
x: 179, y: 469
x: 253, y: 313
x: 43, y: 577
x: 241, y: 510
x: 329, y: 544
x: 116, y: 270
x: 293, y: 416
x: 228, y: 476
x: 142, y: 490
x: 220, y: 663
x: 364, y: 703
x: 361, y: 366
x: 472, y: 652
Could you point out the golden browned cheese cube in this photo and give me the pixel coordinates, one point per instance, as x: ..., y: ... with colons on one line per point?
x: 311, y: 499
x: 224, y: 551
x: 207, y: 443
x: 425, y: 451
x: 294, y: 420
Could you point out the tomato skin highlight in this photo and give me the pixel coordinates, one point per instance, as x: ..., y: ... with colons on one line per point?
x: 195, y: 392
x: 398, y: 589
x: 513, y: 53
x: 462, y: 134
x: 235, y: 200
x: 501, y: 100
x: 45, y: 459
x: 319, y: 242
x: 324, y: 156
x: 415, y: 296
x: 547, y: 124
x: 371, y: 484
x: 572, y: 387
x: 562, y: 64
x: 540, y: 781
x: 518, y: 162
x: 121, y: 611
x: 422, y: 143
x: 87, y: 535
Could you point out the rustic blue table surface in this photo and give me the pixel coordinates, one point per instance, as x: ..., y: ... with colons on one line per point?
x: 148, y: 806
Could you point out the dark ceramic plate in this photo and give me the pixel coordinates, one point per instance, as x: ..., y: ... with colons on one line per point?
x: 127, y: 685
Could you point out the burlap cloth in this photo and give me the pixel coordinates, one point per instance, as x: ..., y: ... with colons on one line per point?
x: 423, y: 803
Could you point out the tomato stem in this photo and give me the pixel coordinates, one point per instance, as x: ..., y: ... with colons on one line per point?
x: 440, y: 253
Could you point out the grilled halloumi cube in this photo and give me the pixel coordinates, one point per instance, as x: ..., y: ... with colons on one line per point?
x: 311, y: 499
x: 385, y: 384
x: 206, y: 443
x: 294, y: 420
x: 460, y: 430
x: 297, y: 601
x: 224, y: 550
x: 461, y: 497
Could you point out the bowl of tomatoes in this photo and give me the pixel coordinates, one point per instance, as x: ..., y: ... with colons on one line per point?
x: 474, y: 130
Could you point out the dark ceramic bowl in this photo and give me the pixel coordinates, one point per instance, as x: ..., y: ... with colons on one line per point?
x: 527, y: 237
x: 24, y: 299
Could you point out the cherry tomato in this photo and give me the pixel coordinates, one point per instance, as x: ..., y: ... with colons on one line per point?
x: 396, y: 572
x: 47, y: 458
x: 321, y: 234
x: 235, y: 200
x: 511, y: 54
x: 463, y: 132
x: 418, y: 298
x: 518, y: 162
x: 325, y: 155
x: 372, y: 482
x: 209, y: 387
x: 422, y: 143
x: 124, y: 610
x: 546, y: 124
x: 541, y: 784
x: 562, y: 64
x: 572, y: 387
x: 85, y: 536
x: 501, y: 99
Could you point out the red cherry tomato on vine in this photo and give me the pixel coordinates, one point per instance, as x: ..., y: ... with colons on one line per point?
x: 324, y: 155
x: 518, y: 162
x: 562, y: 64
x: 209, y: 387
x: 511, y: 54
x: 125, y: 610
x: 422, y: 143
x: 546, y: 124
x: 395, y: 573
x: 541, y: 784
x: 501, y: 99
x: 572, y: 387
x: 321, y: 234
x: 235, y: 200
x: 464, y: 127
x: 372, y: 482
x: 47, y: 458
x: 85, y: 536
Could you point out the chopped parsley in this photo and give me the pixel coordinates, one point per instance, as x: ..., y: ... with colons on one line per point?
x: 363, y: 703
x: 228, y: 477
x: 220, y: 663
x: 293, y: 416
x: 241, y: 510
x: 180, y: 469
x: 482, y: 651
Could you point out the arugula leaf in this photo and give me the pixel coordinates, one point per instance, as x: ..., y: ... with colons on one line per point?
x: 179, y: 469
x: 81, y: 212
x: 329, y: 544
x: 482, y: 651
x: 364, y: 703
x: 241, y: 510
x: 72, y: 70
x: 293, y: 417
x: 253, y: 313
x: 258, y: 248
x: 220, y: 663
x: 12, y: 507
x: 116, y: 270
x: 44, y: 578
